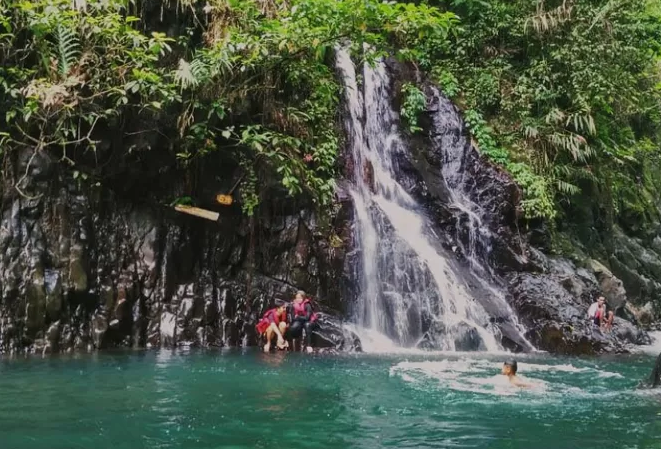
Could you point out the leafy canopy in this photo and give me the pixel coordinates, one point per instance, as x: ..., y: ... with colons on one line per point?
x: 565, y: 94
x: 250, y: 78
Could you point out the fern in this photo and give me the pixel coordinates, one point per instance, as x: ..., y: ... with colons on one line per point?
x: 571, y: 172
x: 184, y: 76
x: 68, y: 50
x: 566, y: 188
x: 201, y: 69
x: 544, y: 21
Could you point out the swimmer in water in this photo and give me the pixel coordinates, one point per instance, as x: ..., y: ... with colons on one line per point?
x: 509, y: 369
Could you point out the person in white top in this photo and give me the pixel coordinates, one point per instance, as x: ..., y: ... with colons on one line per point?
x: 597, y: 313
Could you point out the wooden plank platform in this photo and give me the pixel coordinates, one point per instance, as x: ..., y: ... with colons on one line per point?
x: 196, y: 211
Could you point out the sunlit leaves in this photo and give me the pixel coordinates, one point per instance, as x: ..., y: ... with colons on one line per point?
x: 566, y: 84
x: 413, y: 103
x: 280, y: 55
x: 248, y: 78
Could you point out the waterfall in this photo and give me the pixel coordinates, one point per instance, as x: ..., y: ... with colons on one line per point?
x: 470, y: 217
x: 411, y: 293
x: 406, y: 283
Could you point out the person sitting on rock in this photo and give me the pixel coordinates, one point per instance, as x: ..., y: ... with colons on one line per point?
x: 301, y: 319
x: 607, y: 321
x: 510, y: 368
x: 274, y: 322
x: 597, y: 313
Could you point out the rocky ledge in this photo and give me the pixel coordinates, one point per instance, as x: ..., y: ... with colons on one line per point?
x: 87, y: 266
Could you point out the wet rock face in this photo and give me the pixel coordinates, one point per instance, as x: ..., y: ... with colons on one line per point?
x: 556, y: 317
x: 611, y: 287
x: 638, y: 264
x: 551, y: 296
x: 85, y: 268
x: 331, y: 334
x: 654, y: 380
x: 466, y: 338
x: 655, y: 377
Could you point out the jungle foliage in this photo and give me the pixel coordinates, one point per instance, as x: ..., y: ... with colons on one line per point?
x: 250, y: 78
x: 566, y: 95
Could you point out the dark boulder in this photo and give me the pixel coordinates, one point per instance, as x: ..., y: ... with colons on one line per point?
x: 332, y: 334
x: 654, y: 380
x: 464, y: 337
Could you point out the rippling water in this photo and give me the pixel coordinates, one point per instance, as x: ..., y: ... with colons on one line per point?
x: 245, y: 399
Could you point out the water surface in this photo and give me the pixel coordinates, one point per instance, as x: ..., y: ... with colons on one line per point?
x: 245, y: 399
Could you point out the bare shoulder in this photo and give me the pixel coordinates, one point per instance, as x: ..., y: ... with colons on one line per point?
x: 517, y: 381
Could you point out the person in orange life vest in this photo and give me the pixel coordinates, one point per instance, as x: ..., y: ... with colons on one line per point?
x: 274, y: 322
x: 301, y: 318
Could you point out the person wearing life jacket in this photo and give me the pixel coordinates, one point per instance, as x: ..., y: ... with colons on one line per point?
x: 274, y: 322
x: 302, y: 319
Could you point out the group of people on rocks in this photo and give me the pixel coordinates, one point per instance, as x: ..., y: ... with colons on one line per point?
x: 288, y: 322
x: 601, y: 317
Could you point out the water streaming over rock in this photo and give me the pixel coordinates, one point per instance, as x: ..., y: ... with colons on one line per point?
x: 411, y: 292
x: 476, y: 242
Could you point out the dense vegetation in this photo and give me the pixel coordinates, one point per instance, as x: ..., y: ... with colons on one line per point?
x: 249, y: 78
x: 565, y: 95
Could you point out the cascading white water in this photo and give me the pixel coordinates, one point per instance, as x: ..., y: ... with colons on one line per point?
x: 407, y: 285
x: 470, y: 215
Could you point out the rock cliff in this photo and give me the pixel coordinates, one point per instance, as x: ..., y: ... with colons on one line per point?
x: 96, y: 266
x: 551, y: 295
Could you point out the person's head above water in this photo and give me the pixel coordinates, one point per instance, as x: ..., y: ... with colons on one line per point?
x: 510, y: 367
x: 300, y: 296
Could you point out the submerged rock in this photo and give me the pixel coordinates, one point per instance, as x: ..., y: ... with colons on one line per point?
x: 654, y: 380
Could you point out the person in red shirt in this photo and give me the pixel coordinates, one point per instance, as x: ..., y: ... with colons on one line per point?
x: 274, y: 322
